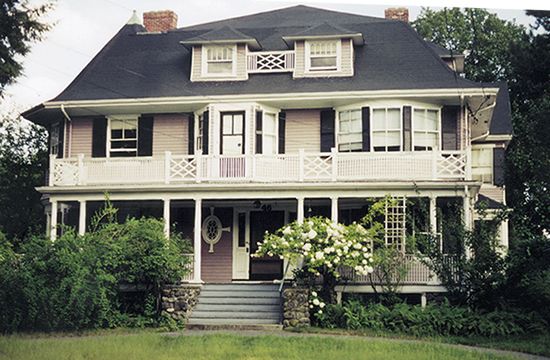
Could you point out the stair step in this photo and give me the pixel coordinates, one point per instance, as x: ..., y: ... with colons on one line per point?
x: 231, y: 321
x: 238, y: 307
x: 243, y: 293
x: 239, y: 300
x: 235, y: 315
x: 235, y: 327
x: 240, y: 287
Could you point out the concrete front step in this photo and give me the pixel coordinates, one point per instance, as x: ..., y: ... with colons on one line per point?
x: 236, y: 327
x: 239, y: 293
x: 240, y: 300
x: 238, y: 307
x: 235, y: 315
x: 231, y: 321
x: 241, y: 287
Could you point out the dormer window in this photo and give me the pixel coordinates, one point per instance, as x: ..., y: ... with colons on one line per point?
x: 219, y: 60
x: 323, y: 55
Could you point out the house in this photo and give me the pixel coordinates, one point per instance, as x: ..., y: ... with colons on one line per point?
x: 236, y: 127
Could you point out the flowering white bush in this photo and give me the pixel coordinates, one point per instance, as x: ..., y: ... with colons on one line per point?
x: 321, y: 245
x: 315, y: 303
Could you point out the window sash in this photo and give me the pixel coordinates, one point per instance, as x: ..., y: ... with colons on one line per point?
x: 54, y: 139
x: 385, y: 135
x: 269, y: 134
x: 426, y: 129
x: 350, y: 130
x: 323, y: 55
x: 123, y: 137
x: 219, y: 60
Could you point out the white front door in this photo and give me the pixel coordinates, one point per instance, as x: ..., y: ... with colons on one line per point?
x: 232, y: 134
x: 241, y: 244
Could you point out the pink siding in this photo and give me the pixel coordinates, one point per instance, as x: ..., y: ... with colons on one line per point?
x: 218, y: 266
x: 81, y: 137
x: 170, y: 133
x: 303, y: 131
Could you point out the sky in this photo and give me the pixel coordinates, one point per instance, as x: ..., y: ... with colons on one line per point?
x: 82, y: 28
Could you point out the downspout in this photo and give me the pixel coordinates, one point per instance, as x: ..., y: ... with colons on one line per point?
x: 70, y: 132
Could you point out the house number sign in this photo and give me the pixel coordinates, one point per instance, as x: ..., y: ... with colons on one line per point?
x: 212, y: 230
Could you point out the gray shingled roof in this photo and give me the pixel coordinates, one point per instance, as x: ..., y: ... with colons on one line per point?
x: 224, y: 34
x: 140, y: 65
x: 324, y: 30
x: 501, y: 123
x: 489, y: 203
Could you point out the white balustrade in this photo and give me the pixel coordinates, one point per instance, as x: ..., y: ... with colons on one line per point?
x: 189, y: 266
x: 270, y: 61
x: 297, y: 167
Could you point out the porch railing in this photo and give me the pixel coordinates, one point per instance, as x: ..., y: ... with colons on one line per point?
x: 189, y: 265
x: 298, y: 167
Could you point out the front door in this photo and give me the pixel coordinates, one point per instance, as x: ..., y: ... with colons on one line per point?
x: 266, y: 267
x: 232, y: 133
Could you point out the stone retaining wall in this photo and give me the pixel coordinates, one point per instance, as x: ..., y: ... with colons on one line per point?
x: 179, y: 300
x: 296, y: 307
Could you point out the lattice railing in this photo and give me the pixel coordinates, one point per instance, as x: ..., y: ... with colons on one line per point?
x: 317, y: 167
x: 452, y: 164
x: 182, y: 168
x: 64, y: 172
x: 270, y: 61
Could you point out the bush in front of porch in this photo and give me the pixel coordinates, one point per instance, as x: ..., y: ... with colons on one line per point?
x: 111, y: 276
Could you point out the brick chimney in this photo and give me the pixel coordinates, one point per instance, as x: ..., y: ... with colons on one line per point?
x: 400, y: 13
x: 160, y: 21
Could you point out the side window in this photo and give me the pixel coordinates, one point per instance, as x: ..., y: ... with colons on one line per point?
x: 482, y: 164
x: 322, y: 55
x: 350, y: 131
x: 386, y: 129
x: 426, y: 129
x: 219, y: 60
x: 54, y: 139
x: 269, y: 133
x: 200, y: 125
x: 123, y: 137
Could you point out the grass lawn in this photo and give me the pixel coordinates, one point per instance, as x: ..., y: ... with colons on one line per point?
x: 224, y: 346
x: 532, y: 344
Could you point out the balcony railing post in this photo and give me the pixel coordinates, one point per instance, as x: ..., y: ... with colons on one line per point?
x: 468, y: 165
x: 254, y: 164
x: 301, y: 156
x: 167, y: 156
x: 436, y: 154
x: 51, y: 174
x: 334, y: 154
x: 198, y: 166
x: 80, y: 180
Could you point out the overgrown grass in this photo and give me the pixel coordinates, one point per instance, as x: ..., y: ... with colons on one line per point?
x: 224, y: 346
x: 537, y: 344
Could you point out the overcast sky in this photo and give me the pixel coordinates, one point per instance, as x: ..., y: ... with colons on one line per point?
x: 83, y: 27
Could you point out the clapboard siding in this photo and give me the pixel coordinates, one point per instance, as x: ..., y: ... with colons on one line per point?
x: 242, y: 72
x: 196, y: 63
x: 303, y: 131
x: 170, y: 133
x: 218, y: 265
x: 494, y: 192
x: 81, y: 137
x: 300, y: 58
x: 347, y: 57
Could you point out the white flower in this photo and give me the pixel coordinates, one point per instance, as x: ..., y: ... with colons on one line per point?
x: 307, y: 247
x: 316, y: 302
x: 322, y: 305
x: 287, y: 230
x: 314, y: 294
x: 319, y: 255
x: 320, y: 311
x: 357, y: 246
x: 364, y: 262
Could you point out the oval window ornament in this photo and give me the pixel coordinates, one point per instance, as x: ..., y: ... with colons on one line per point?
x: 212, y: 230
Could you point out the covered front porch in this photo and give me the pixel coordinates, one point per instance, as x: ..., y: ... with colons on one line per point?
x: 225, y: 230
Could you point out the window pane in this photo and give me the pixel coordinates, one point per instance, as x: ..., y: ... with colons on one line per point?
x: 356, y: 125
x: 393, y: 138
x: 269, y: 123
x: 116, y: 134
x: 419, y: 119
x: 394, y: 119
x: 117, y: 124
x: 379, y: 139
x: 378, y: 119
x: 431, y: 120
x: 227, y: 124
x: 323, y: 61
x: 220, y: 67
x: 123, y: 153
x: 124, y: 144
x: 268, y: 146
x: 237, y: 124
x: 130, y: 133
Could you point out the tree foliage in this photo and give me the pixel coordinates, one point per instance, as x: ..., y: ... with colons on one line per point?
x: 482, y: 34
x: 23, y: 162
x: 21, y: 24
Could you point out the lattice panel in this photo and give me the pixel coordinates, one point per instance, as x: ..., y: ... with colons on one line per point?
x: 317, y: 167
x: 183, y: 169
x: 271, y: 62
x: 452, y: 165
x: 394, y: 223
x: 65, y: 173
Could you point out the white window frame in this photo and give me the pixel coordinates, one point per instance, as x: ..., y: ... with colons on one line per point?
x: 338, y: 129
x: 204, y: 61
x: 274, y: 135
x: 438, y: 132
x: 198, y: 132
x: 54, y: 146
x: 483, y: 173
x: 316, y: 70
x: 121, y: 118
x: 372, y: 131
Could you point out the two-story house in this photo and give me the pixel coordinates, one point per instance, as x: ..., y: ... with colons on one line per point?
x: 236, y: 127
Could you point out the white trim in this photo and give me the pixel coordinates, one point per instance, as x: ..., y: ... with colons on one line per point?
x: 502, y: 137
x: 439, y: 126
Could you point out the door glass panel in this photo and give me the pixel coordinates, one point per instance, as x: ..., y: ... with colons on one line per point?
x: 227, y: 124
x: 237, y: 124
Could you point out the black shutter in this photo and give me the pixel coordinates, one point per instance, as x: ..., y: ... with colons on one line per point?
x: 449, y: 127
x: 282, y: 131
x: 498, y: 166
x: 327, y: 130
x: 259, y: 123
x: 365, y: 116
x: 145, y: 135
x: 205, y: 125
x: 191, y: 134
x: 407, y: 128
x: 99, y: 137
x: 61, y: 143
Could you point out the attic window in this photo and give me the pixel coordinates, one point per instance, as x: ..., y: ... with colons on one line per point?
x: 219, y: 60
x: 323, y: 55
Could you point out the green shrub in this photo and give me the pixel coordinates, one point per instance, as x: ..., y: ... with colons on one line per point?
x: 434, y: 320
x: 76, y: 281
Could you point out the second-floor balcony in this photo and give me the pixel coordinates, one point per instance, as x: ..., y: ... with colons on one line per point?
x: 279, y: 168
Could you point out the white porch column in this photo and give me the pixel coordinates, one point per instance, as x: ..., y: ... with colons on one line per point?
x: 82, y: 217
x: 300, y: 210
x: 334, y: 209
x: 53, y: 222
x: 197, y: 242
x: 467, y: 214
x: 433, y: 214
x: 166, y: 216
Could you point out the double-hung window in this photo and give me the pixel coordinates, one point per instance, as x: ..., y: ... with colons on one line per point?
x: 200, y: 125
x: 54, y: 139
x: 322, y: 55
x: 350, y: 130
x: 269, y: 133
x: 123, y: 137
x: 386, y: 129
x: 482, y: 164
x: 425, y: 129
x: 219, y: 60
